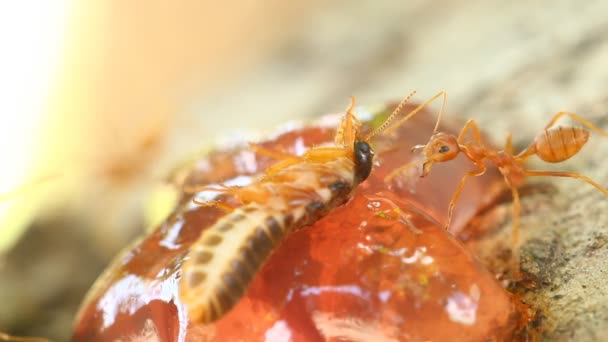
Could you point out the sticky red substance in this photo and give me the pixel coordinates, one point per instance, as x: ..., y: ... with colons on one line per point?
x: 358, y: 274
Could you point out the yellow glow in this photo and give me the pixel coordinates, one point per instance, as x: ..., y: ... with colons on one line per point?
x: 160, y: 204
x: 32, y: 35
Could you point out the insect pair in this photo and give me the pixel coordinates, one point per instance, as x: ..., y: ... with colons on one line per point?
x: 299, y: 190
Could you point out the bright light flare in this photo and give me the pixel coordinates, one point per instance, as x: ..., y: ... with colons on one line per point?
x: 32, y: 36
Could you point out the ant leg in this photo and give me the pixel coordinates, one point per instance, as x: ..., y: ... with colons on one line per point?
x: 577, y: 119
x: 441, y: 111
x: 567, y: 174
x: 515, y: 261
x: 472, y: 124
x: 516, y: 210
x: 481, y: 169
x: 509, y: 144
x: 526, y: 153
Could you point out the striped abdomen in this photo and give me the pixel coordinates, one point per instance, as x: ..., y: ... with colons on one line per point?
x: 557, y: 144
x: 224, y: 260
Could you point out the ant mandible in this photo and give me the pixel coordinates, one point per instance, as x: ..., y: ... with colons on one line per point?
x: 552, y: 144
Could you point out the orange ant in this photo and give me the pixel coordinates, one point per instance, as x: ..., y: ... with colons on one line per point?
x: 552, y: 144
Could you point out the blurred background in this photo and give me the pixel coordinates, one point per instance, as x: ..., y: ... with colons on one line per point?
x: 100, y: 100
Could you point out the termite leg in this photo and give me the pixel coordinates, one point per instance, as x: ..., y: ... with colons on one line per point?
x: 481, y: 169
x: 318, y: 155
x: 324, y: 154
x: 191, y: 189
x: 281, y: 165
x: 270, y: 153
x: 577, y: 119
x: 217, y: 204
x: 346, y: 131
x: 569, y: 175
x: 231, y: 190
x: 286, y: 159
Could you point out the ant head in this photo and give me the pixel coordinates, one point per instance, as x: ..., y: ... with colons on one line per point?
x: 440, y: 148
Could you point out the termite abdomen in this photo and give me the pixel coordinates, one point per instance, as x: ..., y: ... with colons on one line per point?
x: 217, y: 278
x: 557, y: 144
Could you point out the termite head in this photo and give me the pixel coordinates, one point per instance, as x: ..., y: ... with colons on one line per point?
x: 364, y: 158
x: 440, y: 148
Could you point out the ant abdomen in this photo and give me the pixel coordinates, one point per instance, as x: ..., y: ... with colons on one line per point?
x: 557, y: 144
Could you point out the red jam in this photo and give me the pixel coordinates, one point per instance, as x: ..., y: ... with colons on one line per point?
x: 379, y: 268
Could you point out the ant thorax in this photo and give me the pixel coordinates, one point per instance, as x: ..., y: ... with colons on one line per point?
x: 512, y: 171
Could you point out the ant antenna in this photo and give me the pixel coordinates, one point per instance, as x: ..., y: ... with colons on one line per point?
x: 445, y: 98
x: 415, y: 163
x: 419, y: 108
x: 390, y: 118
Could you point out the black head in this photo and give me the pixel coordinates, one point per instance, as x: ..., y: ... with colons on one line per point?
x: 364, y: 157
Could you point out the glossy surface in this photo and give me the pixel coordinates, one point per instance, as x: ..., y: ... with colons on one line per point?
x: 361, y: 273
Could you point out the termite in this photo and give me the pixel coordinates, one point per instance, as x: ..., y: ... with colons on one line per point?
x: 552, y: 144
x: 294, y: 193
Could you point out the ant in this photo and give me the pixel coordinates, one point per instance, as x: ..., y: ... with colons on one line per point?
x: 552, y: 145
